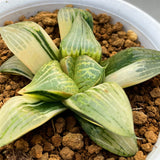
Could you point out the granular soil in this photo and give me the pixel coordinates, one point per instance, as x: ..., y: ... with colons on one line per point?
x: 62, y: 137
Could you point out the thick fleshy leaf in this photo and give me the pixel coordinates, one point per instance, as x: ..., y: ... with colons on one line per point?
x: 14, y: 66
x: 80, y: 41
x: 22, y: 114
x: 66, y: 17
x: 88, y: 73
x: 50, y: 83
x: 120, y: 145
x: 67, y: 65
x: 30, y: 43
x: 132, y: 66
x: 105, y: 105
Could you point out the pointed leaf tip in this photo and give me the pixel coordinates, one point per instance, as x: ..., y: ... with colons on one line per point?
x: 14, y: 66
x: 50, y: 83
x: 105, y: 105
x: 132, y: 66
x: 66, y: 17
x: 28, y: 40
x: 117, y: 144
x: 20, y: 115
x: 81, y: 41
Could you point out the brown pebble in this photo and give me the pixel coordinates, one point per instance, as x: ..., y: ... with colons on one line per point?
x: 155, y: 93
x: 66, y: 153
x: 60, y: 125
x: 139, y: 156
x: 49, y: 21
x: 8, y: 23
x: 54, y: 157
x: 44, y: 156
x: 48, y: 147
x: 70, y: 123
x: 3, y: 78
x: 157, y: 101
x: 132, y: 35
x: 94, y: 149
x: 36, y: 151
x: 139, y: 117
x: 73, y: 140
x: 129, y: 43
x: 22, y: 145
x: 78, y: 156
x: 8, y: 87
x: 118, y: 42
x: 99, y: 157
x: 151, y: 137
x: 147, y: 147
x: 57, y: 41
x: 37, y: 139
x: 69, y: 5
x: 56, y: 140
x: 104, y: 50
x: 151, y: 111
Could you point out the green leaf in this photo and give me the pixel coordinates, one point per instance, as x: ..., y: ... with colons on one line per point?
x: 66, y: 17
x: 50, y: 83
x: 105, y: 105
x: 132, y: 66
x: 14, y: 66
x: 22, y: 114
x: 30, y: 43
x: 67, y: 65
x: 88, y: 73
x: 80, y: 41
x: 120, y: 145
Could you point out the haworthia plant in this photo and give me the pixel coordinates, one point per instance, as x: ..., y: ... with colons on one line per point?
x: 120, y: 145
x: 103, y: 110
x: 66, y: 18
x: 80, y: 41
x: 132, y: 66
x: 22, y: 114
x: 14, y: 66
x: 30, y: 43
x: 104, y: 105
x: 50, y: 83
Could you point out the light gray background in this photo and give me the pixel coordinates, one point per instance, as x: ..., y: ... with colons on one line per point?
x: 152, y: 7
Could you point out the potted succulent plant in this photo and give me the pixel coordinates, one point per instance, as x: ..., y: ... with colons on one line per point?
x: 74, y: 77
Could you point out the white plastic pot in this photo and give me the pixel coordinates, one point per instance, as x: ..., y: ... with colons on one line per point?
x: 146, y: 27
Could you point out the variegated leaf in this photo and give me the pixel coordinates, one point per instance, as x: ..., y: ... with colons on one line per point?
x: 50, y: 83
x: 80, y: 41
x: 22, y: 114
x: 67, y: 65
x: 88, y: 73
x: 120, y: 145
x: 66, y: 17
x: 30, y: 43
x: 14, y: 66
x: 132, y: 66
x: 105, y: 105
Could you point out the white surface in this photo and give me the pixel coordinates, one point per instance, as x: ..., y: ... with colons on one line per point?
x: 149, y: 6
x: 147, y: 28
